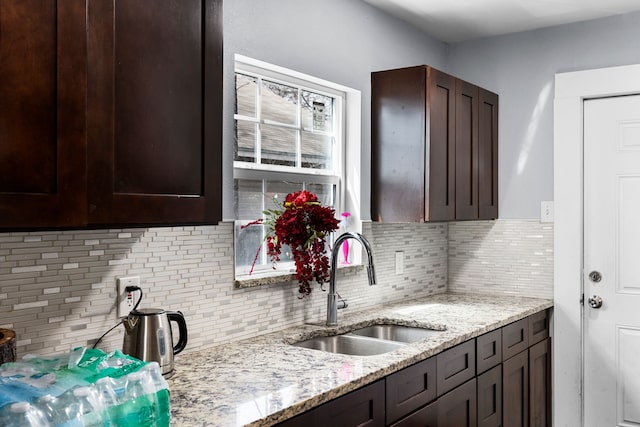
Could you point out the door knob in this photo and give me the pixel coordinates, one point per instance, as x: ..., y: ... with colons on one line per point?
x: 595, y: 301
x: 595, y: 276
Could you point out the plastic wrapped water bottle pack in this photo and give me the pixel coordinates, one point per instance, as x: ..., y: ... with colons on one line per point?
x: 86, y: 387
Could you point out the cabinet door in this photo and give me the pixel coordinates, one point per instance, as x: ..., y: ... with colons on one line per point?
x: 154, y: 111
x: 410, y: 388
x: 487, y: 155
x: 515, y: 390
x: 540, y: 384
x: 466, y: 153
x: 361, y: 408
x: 441, y: 185
x: 42, y: 103
x: 458, y: 407
x: 490, y: 398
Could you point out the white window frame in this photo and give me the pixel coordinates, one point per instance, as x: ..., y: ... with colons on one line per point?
x: 346, y: 170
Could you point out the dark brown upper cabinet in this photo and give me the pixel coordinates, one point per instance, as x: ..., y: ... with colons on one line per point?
x: 42, y: 122
x: 434, y: 147
x: 124, y: 125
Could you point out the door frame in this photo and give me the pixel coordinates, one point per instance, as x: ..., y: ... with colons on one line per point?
x: 571, y: 89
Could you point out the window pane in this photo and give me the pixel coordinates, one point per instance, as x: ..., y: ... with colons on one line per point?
x: 248, y: 199
x: 248, y: 240
x: 278, y: 145
x: 325, y: 193
x: 316, y: 151
x: 246, y: 95
x: 279, y: 190
x: 245, y: 141
x: 317, y: 111
x: 279, y: 103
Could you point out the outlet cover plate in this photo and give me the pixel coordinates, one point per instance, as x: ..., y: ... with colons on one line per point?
x: 125, y: 300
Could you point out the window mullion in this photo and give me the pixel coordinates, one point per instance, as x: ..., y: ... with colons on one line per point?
x: 298, y: 131
x: 258, y: 141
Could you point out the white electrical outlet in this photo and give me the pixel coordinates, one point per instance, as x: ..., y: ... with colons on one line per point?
x: 399, y: 262
x: 126, y: 300
x: 546, y: 211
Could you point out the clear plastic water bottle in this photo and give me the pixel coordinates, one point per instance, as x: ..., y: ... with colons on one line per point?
x: 106, y: 388
x: 53, y: 410
x: 139, y: 401
x: 87, y: 407
x: 155, y: 381
x: 22, y: 414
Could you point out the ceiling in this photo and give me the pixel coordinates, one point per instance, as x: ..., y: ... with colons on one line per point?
x: 458, y: 20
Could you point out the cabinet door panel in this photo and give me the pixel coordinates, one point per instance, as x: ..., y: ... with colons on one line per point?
x: 540, y: 384
x: 490, y: 398
x: 410, y: 388
x: 455, y: 366
x: 458, y: 407
x: 487, y: 155
x: 515, y: 390
x: 440, y: 187
x: 466, y: 151
x: 42, y: 101
x: 153, y: 123
x: 398, y: 145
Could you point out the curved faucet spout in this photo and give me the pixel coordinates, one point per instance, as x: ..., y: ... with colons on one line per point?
x: 332, y: 305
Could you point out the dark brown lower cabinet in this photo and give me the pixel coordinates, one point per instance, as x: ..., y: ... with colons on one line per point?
x: 469, y: 385
x: 515, y: 389
x: 458, y: 407
x: 490, y: 398
x: 540, y: 384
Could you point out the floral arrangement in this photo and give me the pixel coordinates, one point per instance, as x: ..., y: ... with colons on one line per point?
x: 302, y: 223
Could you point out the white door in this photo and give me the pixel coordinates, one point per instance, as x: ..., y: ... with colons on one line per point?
x: 612, y: 249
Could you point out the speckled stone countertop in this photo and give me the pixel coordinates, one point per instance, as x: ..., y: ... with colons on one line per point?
x: 262, y: 381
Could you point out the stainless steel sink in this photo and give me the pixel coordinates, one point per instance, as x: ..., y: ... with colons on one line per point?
x: 354, y: 345
x: 405, y: 334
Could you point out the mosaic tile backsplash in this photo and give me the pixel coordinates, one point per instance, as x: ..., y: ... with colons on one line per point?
x: 510, y: 257
x: 57, y: 289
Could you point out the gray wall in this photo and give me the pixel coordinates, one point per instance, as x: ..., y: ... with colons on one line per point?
x: 521, y: 69
x: 337, y: 40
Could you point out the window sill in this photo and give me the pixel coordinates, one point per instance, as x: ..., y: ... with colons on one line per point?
x: 276, y: 278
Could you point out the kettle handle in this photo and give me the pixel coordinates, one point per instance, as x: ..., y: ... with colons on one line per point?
x: 178, y: 317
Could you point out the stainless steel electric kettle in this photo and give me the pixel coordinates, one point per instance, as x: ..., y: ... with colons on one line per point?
x: 148, y: 336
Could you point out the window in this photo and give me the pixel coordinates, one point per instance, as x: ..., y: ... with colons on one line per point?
x: 290, y: 135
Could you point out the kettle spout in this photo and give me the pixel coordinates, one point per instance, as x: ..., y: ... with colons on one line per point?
x: 129, y: 323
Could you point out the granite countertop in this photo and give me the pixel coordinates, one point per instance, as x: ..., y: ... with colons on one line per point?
x: 261, y: 381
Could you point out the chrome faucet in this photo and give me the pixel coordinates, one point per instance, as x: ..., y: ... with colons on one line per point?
x: 332, y: 303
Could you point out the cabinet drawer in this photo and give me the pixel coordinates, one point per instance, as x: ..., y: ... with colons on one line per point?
x: 425, y: 417
x: 490, y: 398
x: 489, y: 350
x: 538, y: 327
x: 515, y: 338
x: 360, y: 408
x: 456, y: 366
x: 410, y: 388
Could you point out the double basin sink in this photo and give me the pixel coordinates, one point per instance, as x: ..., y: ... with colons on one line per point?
x: 370, y: 340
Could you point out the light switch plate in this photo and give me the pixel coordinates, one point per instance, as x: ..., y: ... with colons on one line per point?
x: 399, y: 262
x: 546, y: 211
